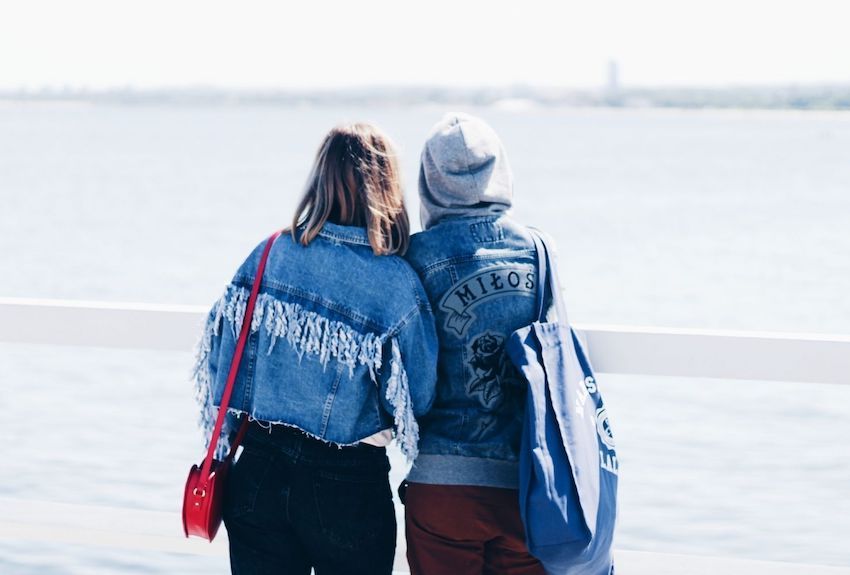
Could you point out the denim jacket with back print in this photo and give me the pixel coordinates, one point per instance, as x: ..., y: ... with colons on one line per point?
x: 342, y: 342
x: 480, y: 275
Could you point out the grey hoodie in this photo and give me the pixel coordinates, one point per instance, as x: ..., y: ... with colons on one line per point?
x: 464, y: 171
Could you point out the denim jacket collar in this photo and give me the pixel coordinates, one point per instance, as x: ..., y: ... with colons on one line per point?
x: 345, y: 234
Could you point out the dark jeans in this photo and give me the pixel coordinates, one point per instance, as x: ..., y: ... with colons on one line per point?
x: 293, y: 502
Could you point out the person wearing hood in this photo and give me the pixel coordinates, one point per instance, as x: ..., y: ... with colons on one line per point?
x: 478, y: 267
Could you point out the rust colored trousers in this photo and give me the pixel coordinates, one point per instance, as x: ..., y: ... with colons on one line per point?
x: 465, y: 530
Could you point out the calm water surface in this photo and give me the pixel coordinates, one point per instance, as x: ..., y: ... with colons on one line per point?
x: 726, y: 220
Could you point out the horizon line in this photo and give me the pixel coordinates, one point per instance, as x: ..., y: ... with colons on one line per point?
x: 319, y: 89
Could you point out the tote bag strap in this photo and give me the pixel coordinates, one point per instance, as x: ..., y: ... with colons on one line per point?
x: 542, y: 275
x: 549, y: 277
x: 234, y: 369
x: 547, y: 274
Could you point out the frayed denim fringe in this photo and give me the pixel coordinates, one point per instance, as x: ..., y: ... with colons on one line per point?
x: 306, y: 332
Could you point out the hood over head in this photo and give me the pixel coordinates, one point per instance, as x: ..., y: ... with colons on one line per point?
x: 464, y: 171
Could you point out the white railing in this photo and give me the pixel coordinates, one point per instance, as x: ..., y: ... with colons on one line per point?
x: 801, y: 358
x: 613, y: 349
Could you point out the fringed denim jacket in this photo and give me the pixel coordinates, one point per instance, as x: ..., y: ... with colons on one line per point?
x: 342, y: 343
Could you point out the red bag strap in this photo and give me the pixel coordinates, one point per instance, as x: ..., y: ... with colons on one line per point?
x: 234, y: 368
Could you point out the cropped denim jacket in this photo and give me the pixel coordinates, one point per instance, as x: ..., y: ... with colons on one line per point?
x: 480, y: 275
x: 342, y: 342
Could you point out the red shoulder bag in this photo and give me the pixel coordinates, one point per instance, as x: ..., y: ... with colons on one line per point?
x: 202, y: 497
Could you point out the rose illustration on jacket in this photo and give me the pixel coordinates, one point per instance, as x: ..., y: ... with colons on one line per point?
x: 487, y: 346
x: 492, y: 373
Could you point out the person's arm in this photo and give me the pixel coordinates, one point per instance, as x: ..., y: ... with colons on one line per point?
x: 408, y: 387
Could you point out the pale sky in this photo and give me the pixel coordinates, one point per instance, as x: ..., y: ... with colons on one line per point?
x: 283, y: 44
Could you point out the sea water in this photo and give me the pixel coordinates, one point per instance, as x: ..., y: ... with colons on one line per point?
x: 709, y: 219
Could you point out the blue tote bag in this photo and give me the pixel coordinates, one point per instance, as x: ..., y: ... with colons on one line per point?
x: 568, y: 464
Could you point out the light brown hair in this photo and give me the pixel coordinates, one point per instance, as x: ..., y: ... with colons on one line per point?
x: 355, y: 181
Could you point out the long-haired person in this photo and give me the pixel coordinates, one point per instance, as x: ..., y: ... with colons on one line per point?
x: 341, y: 357
x: 479, y: 269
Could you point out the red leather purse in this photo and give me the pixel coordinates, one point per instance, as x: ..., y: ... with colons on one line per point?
x: 202, y: 497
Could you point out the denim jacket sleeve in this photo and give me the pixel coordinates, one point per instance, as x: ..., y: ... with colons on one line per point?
x: 208, y: 362
x: 203, y: 373
x: 419, y: 346
x: 408, y: 387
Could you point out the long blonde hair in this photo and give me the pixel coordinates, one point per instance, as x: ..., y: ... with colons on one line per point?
x: 355, y: 181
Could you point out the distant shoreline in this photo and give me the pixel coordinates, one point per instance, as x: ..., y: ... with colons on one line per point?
x: 809, y: 97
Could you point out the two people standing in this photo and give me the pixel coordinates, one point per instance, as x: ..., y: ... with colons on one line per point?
x: 361, y: 333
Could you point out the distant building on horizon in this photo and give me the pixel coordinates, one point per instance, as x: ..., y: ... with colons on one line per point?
x: 612, y: 94
x: 613, y: 85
